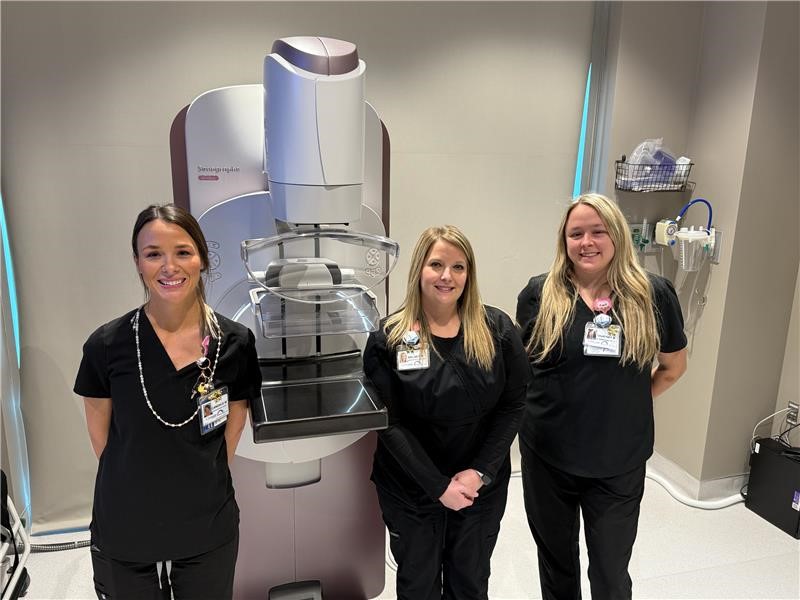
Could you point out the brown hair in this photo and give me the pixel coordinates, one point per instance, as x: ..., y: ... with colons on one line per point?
x: 175, y: 215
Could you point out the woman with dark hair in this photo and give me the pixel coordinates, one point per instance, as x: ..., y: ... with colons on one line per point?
x: 595, y: 325
x: 452, y: 373
x: 166, y: 389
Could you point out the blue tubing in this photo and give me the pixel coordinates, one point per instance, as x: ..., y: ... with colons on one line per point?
x: 695, y: 201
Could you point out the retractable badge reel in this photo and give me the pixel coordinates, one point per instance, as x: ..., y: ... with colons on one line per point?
x: 410, y: 354
x: 212, y: 403
x: 600, y: 336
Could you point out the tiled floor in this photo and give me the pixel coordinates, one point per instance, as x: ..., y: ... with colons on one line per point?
x: 681, y: 552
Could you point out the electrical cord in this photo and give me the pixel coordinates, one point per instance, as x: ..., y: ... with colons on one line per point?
x: 687, y: 500
x: 753, y: 439
x: 681, y: 497
x: 783, y: 436
x: 58, y: 547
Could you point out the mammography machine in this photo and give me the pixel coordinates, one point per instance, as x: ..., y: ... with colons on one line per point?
x: 287, y: 181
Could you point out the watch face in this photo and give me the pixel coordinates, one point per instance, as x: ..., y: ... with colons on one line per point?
x: 486, y: 479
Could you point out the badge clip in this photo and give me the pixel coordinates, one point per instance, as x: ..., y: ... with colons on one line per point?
x: 602, y: 305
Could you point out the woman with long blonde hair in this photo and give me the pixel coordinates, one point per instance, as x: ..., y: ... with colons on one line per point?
x: 452, y: 373
x: 594, y: 326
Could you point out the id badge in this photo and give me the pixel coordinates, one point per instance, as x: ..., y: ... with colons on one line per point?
x: 412, y: 359
x: 602, y: 341
x: 213, y: 409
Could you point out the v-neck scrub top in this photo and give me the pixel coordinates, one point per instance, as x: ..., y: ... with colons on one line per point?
x: 161, y: 492
x: 589, y: 415
x: 449, y: 417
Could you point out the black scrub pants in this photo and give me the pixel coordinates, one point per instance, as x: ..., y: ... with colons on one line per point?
x: 610, y: 509
x: 207, y: 576
x: 442, y: 553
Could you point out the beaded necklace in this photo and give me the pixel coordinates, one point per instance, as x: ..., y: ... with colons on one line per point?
x: 204, y: 383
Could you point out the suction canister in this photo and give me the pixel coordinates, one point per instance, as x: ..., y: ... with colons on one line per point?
x: 691, y: 247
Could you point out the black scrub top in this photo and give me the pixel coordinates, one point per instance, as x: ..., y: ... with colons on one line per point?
x: 589, y: 415
x: 161, y: 492
x: 449, y: 417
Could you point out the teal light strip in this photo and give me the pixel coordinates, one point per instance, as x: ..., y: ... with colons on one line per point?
x: 576, y: 188
x: 12, y: 288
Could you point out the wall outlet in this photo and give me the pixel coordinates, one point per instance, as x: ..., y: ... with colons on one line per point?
x: 791, y: 415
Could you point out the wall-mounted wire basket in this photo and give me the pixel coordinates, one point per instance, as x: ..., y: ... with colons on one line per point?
x: 670, y: 177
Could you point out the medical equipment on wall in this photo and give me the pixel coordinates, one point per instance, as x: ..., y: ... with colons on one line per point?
x: 673, y: 247
x: 288, y: 182
x: 691, y: 246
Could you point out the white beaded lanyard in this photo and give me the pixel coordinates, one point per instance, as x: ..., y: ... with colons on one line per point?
x: 203, y: 381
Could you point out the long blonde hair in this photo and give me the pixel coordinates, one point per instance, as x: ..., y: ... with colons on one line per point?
x: 478, y: 342
x: 630, y: 286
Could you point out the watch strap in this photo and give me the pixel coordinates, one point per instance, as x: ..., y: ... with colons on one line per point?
x: 485, y: 479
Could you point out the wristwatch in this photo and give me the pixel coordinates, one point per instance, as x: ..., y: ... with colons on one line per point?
x: 485, y: 479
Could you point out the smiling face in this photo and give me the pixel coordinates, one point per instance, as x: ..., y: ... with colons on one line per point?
x: 443, y: 277
x: 589, y: 246
x: 168, y: 262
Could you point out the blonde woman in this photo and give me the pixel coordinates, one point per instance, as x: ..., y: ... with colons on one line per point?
x: 594, y: 325
x: 453, y: 375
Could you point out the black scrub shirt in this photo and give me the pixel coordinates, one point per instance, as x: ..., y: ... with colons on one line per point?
x: 162, y: 493
x: 449, y: 417
x: 589, y: 415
